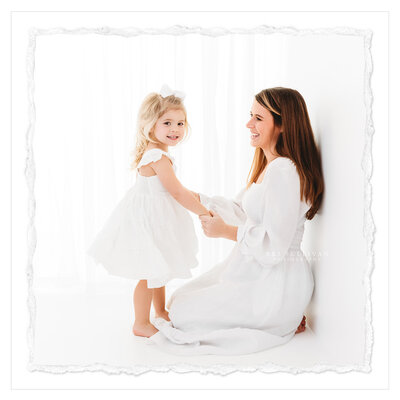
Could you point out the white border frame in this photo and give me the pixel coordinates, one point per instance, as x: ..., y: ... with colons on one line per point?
x: 368, y: 228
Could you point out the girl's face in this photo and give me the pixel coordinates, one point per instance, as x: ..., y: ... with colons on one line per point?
x: 170, y: 127
x: 264, y: 132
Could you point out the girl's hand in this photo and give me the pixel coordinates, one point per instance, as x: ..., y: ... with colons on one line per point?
x: 214, y: 225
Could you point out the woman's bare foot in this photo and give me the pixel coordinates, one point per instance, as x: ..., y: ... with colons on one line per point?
x: 302, y: 326
x: 163, y: 314
x: 144, y: 329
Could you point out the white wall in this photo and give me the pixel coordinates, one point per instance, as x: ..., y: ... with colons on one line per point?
x: 329, y: 72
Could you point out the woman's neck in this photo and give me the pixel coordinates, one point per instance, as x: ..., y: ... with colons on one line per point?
x: 270, y: 154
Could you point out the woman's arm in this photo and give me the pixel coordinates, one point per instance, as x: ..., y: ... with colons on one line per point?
x: 183, y: 196
x: 268, y: 239
x: 231, y: 232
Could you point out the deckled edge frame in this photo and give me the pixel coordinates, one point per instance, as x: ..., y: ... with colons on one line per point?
x: 366, y: 164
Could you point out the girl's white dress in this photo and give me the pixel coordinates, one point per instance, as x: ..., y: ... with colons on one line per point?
x: 256, y: 297
x: 149, y: 235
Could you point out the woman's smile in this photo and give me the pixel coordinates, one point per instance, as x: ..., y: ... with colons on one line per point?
x: 254, y: 135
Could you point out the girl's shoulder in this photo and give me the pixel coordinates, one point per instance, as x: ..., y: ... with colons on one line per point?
x: 153, y: 155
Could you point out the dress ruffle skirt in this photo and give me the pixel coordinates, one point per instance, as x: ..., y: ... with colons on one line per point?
x: 149, y: 235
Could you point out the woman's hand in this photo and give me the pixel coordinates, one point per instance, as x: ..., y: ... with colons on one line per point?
x: 215, y: 226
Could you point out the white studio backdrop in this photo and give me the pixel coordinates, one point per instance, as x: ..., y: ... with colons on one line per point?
x: 88, y: 87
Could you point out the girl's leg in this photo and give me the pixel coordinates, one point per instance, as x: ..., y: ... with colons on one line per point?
x: 142, y: 303
x: 159, y: 303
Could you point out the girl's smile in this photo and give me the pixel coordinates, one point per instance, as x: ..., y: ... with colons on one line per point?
x: 170, y: 127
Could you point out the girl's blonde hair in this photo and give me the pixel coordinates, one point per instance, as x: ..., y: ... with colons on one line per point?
x: 153, y: 107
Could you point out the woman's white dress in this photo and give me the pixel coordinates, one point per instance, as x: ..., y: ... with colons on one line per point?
x: 256, y: 297
x: 149, y: 235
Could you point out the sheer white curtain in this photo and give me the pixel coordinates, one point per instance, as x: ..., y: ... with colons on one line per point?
x: 88, y: 89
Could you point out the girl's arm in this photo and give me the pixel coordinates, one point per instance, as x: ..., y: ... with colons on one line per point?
x: 197, y: 195
x: 165, y: 172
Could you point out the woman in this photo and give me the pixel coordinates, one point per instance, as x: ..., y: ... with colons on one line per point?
x: 256, y: 297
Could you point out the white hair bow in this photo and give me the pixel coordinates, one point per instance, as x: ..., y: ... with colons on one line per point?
x: 167, y: 91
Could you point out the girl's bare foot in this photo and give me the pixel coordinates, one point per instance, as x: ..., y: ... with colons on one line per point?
x: 163, y: 314
x: 144, y: 329
x: 302, y: 326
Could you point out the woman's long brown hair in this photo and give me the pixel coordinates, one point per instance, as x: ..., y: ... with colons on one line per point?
x: 296, y: 141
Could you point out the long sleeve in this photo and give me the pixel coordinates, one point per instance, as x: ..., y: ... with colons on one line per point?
x: 269, y: 240
x: 231, y: 211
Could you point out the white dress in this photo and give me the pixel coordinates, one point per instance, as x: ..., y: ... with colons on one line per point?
x: 256, y: 297
x: 149, y: 235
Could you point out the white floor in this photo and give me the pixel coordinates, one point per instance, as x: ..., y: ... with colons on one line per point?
x: 80, y: 330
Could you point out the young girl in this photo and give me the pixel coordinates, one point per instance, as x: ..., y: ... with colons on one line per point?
x: 150, y: 236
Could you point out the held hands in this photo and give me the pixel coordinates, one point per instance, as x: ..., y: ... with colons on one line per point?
x: 213, y: 225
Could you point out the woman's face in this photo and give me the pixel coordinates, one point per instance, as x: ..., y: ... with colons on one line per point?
x: 264, y: 132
